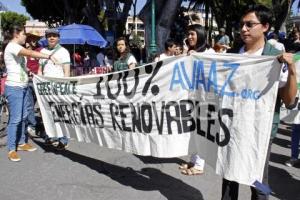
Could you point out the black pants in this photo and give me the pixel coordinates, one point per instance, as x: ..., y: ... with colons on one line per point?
x: 230, y: 189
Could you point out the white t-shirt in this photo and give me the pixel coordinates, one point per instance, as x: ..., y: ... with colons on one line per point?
x: 277, y: 45
x: 55, y: 70
x: 131, y: 60
x: 15, y: 65
x: 162, y: 56
x: 284, y: 72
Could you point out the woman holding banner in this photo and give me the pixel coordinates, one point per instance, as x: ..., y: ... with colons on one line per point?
x: 125, y: 60
x: 16, y: 89
x: 196, y: 42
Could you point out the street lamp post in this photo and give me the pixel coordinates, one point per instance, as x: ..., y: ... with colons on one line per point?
x: 152, y: 46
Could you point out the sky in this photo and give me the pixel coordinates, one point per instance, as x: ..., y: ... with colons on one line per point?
x: 15, y: 5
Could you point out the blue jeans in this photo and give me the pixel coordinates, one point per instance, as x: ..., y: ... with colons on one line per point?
x: 17, y: 98
x: 295, y: 140
x: 31, y: 116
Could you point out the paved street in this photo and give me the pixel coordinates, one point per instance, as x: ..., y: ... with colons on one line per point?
x: 89, y: 172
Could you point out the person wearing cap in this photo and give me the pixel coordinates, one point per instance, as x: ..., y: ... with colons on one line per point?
x: 48, y: 68
x: 222, y: 39
x: 59, y: 69
x: 32, y: 39
x: 16, y: 89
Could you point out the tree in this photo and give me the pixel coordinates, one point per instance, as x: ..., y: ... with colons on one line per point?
x: 97, y: 13
x: 11, y: 18
x: 136, y: 41
x: 165, y: 15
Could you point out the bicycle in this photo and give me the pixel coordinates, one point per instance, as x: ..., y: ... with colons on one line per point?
x: 3, y: 104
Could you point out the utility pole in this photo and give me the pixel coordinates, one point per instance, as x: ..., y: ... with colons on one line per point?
x: 152, y: 46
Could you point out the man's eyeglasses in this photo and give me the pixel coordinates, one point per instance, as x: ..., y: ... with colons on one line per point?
x: 248, y: 25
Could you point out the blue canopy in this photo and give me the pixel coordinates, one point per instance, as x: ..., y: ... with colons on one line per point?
x: 78, y: 34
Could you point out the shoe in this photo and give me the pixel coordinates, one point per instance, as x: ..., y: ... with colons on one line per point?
x: 13, y: 156
x: 63, y: 143
x: 26, y: 147
x: 51, y: 141
x: 192, y: 171
x: 31, y: 131
x: 291, y: 162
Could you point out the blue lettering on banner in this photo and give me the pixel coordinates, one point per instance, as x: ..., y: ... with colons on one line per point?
x: 181, y: 79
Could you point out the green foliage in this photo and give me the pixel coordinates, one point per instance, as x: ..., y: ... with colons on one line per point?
x: 136, y: 41
x: 9, y: 19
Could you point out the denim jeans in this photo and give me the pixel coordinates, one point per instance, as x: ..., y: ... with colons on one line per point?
x: 295, y: 140
x: 17, y: 98
x: 31, y: 116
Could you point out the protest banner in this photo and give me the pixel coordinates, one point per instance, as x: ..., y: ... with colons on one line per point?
x: 218, y: 105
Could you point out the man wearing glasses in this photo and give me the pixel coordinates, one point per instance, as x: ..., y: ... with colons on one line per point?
x: 255, y: 23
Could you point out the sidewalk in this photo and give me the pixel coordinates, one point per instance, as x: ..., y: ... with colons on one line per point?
x: 89, y: 172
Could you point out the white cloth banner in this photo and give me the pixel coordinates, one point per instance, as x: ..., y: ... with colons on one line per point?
x: 218, y: 105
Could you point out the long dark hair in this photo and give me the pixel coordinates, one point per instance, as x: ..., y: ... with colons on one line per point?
x: 127, y: 49
x: 201, y: 37
x: 9, y: 34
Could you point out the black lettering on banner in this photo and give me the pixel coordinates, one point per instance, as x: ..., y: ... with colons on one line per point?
x: 89, y: 114
x: 146, y: 127
x: 97, y: 110
x: 171, y: 119
x: 159, y: 123
x: 54, y: 112
x: 76, y: 114
x: 74, y: 91
x: 39, y: 88
x: 114, y: 111
x: 123, y: 116
x: 98, y: 89
x: 82, y: 115
x: 60, y: 112
x: 186, y: 115
x: 130, y: 94
x: 136, y: 118
x: 67, y: 113
x: 210, y: 121
x: 199, y: 130
x: 70, y: 111
x: 149, y: 69
x: 225, y: 141
x: 109, y: 93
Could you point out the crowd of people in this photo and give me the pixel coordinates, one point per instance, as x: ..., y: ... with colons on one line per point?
x: 23, y: 57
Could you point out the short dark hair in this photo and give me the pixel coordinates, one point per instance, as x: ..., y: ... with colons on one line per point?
x: 169, y: 43
x: 263, y: 14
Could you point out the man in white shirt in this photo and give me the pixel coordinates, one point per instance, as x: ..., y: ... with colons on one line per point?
x: 62, y: 67
x: 170, y: 49
x: 59, y: 69
x: 274, y: 42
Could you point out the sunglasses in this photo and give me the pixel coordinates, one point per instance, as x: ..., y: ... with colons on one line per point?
x: 248, y: 24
